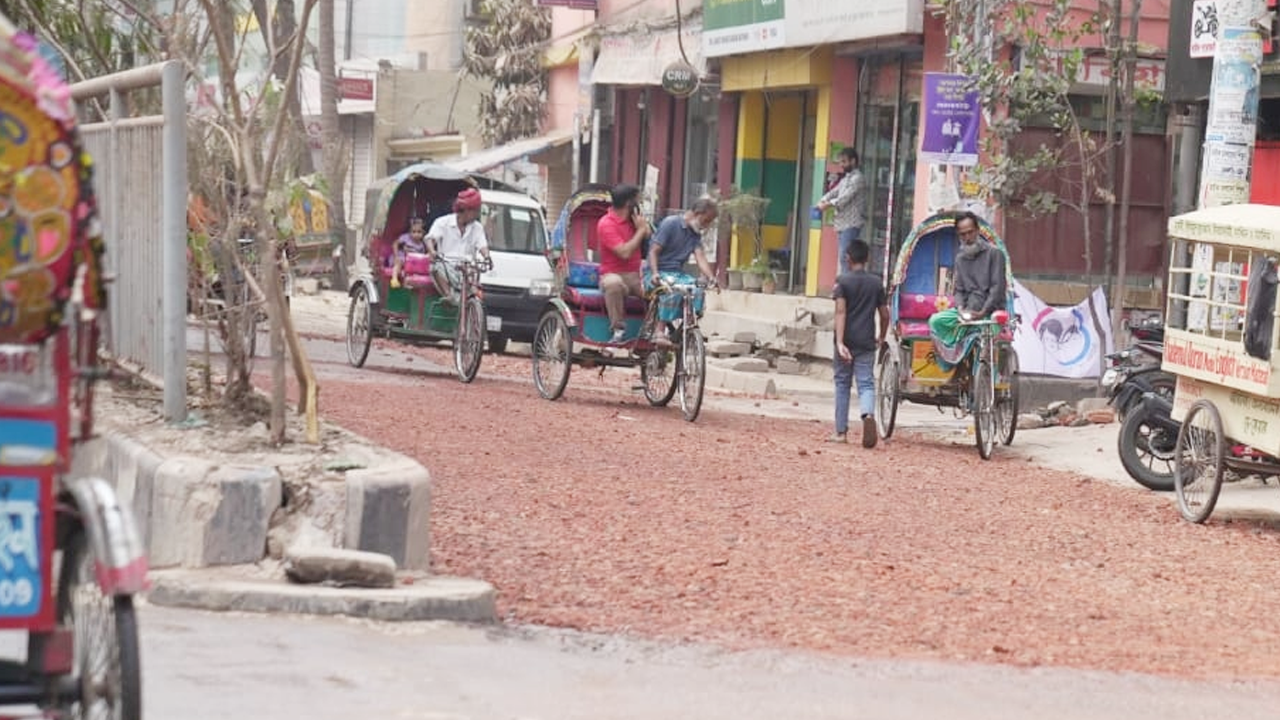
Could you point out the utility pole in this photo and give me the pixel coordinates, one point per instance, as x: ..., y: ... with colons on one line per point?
x: 1233, y: 104
x: 1126, y: 181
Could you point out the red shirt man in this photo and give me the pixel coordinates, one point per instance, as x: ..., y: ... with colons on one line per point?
x: 619, y: 233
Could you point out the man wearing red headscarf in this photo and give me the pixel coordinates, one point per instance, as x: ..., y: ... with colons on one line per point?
x: 457, y: 236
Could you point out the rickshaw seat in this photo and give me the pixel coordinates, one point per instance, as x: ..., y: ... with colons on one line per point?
x: 417, y: 272
x: 593, y: 299
x: 583, y: 274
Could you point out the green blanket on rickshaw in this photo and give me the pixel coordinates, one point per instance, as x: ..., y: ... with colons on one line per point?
x: 951, y: 340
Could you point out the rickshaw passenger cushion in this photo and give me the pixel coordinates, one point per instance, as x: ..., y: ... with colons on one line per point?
x: 583, y: 275
x: 593, y: 299
x: 918, y: 329
x: 919, y: 306
x: 417, y: 264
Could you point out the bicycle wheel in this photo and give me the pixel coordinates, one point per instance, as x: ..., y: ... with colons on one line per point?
x: 468, y: 340
x: 984, y: 400
x: 693, y: 372
x: 887, y: 393
x: 359, y: 326
x: 658, y: 374
x: 106, y: 665
x: 1198, y: 455
x: 1007, y: 403
x: 552, y: 355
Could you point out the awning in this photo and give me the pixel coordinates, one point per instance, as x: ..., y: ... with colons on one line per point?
x: 639, y: 57
x: 491, y: 158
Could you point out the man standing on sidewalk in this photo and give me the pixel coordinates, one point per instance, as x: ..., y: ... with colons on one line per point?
x: 859, y: 298
x: 848, y: 197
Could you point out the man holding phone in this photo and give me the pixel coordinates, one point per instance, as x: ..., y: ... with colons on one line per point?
x: 620, y: 233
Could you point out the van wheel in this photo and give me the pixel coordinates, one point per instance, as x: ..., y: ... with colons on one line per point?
x: 497, y: 344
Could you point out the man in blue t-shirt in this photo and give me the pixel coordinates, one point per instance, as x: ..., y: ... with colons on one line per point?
x: 678, y: 237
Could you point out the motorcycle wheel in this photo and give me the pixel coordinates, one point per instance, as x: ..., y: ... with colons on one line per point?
x: 1145, y: 450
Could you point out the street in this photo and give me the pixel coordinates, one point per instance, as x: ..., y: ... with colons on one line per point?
x: 205, y: 666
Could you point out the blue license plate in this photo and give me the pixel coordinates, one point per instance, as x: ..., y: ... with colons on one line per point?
x: 20, y: 547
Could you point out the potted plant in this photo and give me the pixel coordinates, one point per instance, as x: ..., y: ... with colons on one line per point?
x: 735, y: 278
x: 758, y: 274
x: 743, y: 212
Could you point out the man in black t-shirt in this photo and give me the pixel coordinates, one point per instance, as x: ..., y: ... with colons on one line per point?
x: 859, y: 299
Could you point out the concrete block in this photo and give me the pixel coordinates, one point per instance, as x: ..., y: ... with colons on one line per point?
x: 789, y: 366
x: 744, y: 336
x: 388, y: 510
x: 1084, y: 406
x: 759, y: 365
x: 237, y: 531
x: 180, y: 503
x: 133, y: 470
x: 306, y: 286
x: 1031, y: 421
x: 723, y: 348
x: 344, y: 568
x: 758, y: 384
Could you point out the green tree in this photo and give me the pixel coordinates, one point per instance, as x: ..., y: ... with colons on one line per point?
x: 92, y: 38
x: 507, y: 49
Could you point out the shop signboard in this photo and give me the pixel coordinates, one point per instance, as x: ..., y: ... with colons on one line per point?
x: 735, y: 27
x: 740, y: 26
x: 952, y: 118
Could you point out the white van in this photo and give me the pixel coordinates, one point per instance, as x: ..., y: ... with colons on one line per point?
x: 517, y: 288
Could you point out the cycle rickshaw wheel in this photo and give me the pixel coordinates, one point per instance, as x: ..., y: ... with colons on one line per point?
x: 1198, y: 457
x: 693, y: 373
x: 1007, y: 404
x: 658, y: 373
x: 552, y: 355
x: 359, y: 326
x: 887, y: 393
x: 984, y: 420
x: 107, y: 665
x: 468, y: 343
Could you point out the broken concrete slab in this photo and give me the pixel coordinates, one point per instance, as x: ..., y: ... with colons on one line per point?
x: 745, y: 337
x: 788, y: 366
x: 753, y: 364
x: 724, y: 348
x: 343, y: 568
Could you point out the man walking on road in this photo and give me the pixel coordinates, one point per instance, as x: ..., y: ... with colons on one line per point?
x: 859, y: 298
x: 848, y: 197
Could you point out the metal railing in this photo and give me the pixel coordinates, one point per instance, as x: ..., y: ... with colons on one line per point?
x: 141, y: 183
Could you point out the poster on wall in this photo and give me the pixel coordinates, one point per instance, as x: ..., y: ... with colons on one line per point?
x: 952, y: 119
x: 1060, y: 341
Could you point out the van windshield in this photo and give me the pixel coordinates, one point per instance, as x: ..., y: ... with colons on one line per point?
x: 514, y: 229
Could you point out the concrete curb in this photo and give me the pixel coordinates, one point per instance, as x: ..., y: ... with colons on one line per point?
x: 753, y: 383
x: 192, y: 513
x: 433, y: 598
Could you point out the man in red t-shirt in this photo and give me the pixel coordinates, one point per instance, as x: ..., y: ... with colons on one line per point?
x: 620, y: 233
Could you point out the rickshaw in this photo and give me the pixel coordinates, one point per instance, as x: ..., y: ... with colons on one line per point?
x: 984, y: 382
x: 71, y: 557
x: 1220, y: 343
x: 415, y: 312
x: 574, y: 328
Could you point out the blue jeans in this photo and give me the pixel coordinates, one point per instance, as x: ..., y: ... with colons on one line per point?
x: 863, y: 369
x: 846, y: 237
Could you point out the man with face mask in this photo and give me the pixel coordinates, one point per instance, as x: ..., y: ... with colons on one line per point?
x: 679, y: 237
x: 457, y: 236
x: 979, y: 289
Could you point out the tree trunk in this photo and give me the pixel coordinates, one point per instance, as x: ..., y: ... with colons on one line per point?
x: 334, y: 155
x: 1130, y: 60
x: 1109, y: 143
x: 277, y: 31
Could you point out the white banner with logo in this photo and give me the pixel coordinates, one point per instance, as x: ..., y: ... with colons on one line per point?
x: 1061, y: 341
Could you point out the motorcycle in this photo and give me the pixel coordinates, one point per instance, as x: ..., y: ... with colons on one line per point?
x: 1147, y: 439
x: 1133, y: 372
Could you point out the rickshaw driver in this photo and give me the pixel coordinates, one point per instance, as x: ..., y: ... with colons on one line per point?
x: 413, y: 241
x: 456, y: 236
x: 979, y: 289
x: 679, y: 237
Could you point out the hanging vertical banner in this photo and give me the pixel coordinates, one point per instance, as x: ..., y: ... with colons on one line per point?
x: 1060, y: 341
x: 952, y: 119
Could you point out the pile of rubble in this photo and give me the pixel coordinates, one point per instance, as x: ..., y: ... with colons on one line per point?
x: 1089, y: 411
